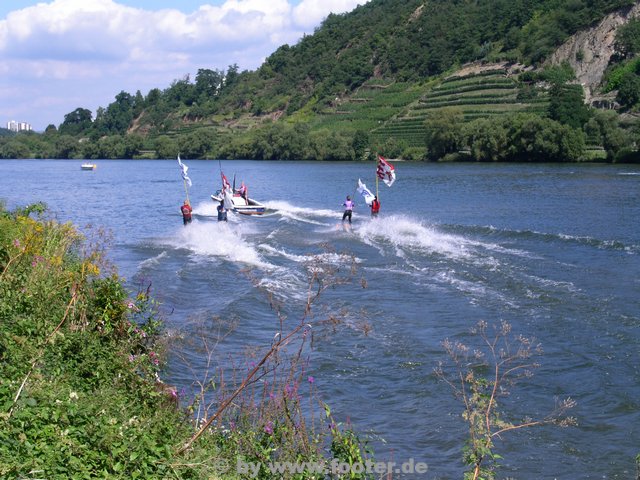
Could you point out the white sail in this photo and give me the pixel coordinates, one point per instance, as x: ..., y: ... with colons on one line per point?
x: 365, y: 192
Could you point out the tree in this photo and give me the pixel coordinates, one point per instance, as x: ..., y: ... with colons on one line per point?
x: 208, y: 82
x: 443, y: 133
x: 566, y: 105
x: 486, y: 139
x: 76, y: 122
x: 627, y: 42
x: 605, y: 125
x: 166, y: 147
x: 231, y: 77
x: 14, y: 149
x: 628, y: 94
x: 196, y: 144
x: 65, y: 146
x: 360, y: 144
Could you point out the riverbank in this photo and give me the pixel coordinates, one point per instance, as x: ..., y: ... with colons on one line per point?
x: 81, y: 365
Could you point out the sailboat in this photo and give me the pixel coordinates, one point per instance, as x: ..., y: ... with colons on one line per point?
x: 237, y: 199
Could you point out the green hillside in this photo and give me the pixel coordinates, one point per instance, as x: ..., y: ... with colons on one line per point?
x: 374, y: 79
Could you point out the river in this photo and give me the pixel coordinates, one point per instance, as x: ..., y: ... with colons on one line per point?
x: 554, y: 250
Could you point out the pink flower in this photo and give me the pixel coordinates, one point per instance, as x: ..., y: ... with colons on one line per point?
x: 311, y: 379
x: 268, y: 428
x: 154, y: 358
x: 133, y: 306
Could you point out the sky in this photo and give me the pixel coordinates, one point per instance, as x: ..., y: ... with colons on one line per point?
x: 58, y: 55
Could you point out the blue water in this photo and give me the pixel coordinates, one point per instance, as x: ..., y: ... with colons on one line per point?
x: 552, y: 249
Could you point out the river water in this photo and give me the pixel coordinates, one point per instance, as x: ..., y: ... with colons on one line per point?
x: 552, y: 249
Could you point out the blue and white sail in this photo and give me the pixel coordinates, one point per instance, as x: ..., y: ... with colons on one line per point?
x: 184, y: 169
x: 365, y: 192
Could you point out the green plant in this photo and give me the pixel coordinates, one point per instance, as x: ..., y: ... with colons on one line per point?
x: 347, y: 448
x: 479, y: 376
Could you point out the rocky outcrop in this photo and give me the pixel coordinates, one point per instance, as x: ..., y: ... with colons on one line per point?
x: 588, y: 52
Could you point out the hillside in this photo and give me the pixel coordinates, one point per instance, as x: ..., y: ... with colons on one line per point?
x: 374, y: 79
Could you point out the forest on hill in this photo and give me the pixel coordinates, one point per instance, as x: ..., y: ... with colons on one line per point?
x: 386, y: 77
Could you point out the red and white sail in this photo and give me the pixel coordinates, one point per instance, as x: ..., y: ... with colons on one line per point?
x: 386, y: 172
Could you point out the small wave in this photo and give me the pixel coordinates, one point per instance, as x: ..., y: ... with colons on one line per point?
x: 551, y: 237
x: 301, y: 214
x: 331, y: 258
x: 150, y: 262
x: 405, y: 233
x: 205, y: 209
x: 219, y: 239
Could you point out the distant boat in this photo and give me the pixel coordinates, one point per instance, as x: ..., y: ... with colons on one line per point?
x: 88, y: 166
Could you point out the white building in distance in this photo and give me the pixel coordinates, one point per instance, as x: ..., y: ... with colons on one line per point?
x: 19, y: 126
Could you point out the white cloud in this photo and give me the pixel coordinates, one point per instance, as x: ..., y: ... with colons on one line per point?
x: 309, y: 13
x: 86, y: 51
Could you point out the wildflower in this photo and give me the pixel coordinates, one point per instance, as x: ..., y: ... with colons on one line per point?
x: 154, y: 358
x: 268, y: 428
x: 73, y: 396
x: 132, y: 306
x: 311, y: 379
x: 16, y: 243
x: 290, y: 391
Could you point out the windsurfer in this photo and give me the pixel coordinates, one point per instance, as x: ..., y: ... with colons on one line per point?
x: 348, y: 209
x: 375, y: 207
x: 244, y: 192
x: 186, y: 212
x: 222, y: 212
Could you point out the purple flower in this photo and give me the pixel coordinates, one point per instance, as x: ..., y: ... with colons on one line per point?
x: 268, y: 428
x: 288, y: 390
x: 311, y: 379
x: 16, y: 243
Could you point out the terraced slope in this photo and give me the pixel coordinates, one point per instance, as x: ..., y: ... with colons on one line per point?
x: 373, y: 104
x: 475, y: 96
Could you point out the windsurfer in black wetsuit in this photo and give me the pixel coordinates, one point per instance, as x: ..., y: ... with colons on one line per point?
x: 222, y: 212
